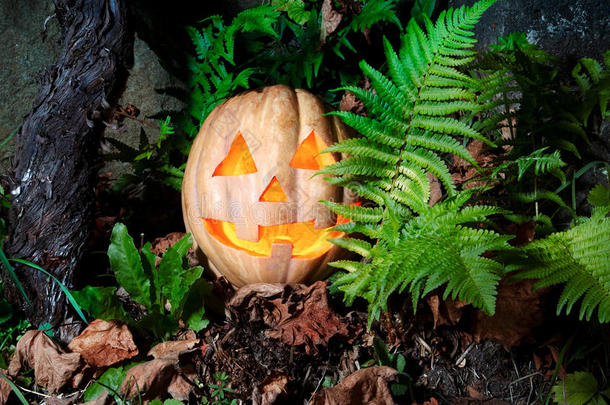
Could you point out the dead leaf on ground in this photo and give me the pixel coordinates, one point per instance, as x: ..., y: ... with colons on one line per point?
x: 445, y: 312
x: 518, y: 312
x: 273, y: 387
x: 172, y: 348
x: 463, y: 172
x: 160, y: 245
x: 471, y: 401
x: 365, y: 386
x: 53, y: 400
x: 436, y: 192
x: 524, y: 233
x: 475, y: 394
x: 5, y: 389
x: 53, y: 367
x: 349, y: 102
x: 170, y: 372
x: 330, y: 20
x: 150, y: 379
x: 295, y: 314
x: 104, y: 343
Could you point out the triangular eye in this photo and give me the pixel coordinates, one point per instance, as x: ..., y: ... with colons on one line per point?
x: 238, y: 160
x: 308, y: 154
x: 273, y: 192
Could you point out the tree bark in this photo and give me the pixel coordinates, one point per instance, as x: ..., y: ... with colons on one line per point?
x: 57, y: 153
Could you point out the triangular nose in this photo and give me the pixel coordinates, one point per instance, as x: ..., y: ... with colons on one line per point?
x: 273, y: 192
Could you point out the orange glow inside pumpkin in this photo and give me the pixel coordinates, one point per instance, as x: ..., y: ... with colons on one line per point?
x: 238, y: 161
x: 308, y: 154
x: 273, y: 192
x: 307, y: 242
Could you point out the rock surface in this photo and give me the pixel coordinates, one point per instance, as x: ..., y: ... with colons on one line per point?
x: 26, y: 49
x: 569, y: 29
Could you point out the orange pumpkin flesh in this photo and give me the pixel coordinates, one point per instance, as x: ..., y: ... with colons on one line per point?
x: 307, y: 242
x: 249, y: 197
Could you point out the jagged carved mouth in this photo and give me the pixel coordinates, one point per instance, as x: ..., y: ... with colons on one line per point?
x: 307, y: 242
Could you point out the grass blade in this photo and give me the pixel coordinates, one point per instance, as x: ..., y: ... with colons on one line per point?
x: 63, y: 287
x: 15, y: 389
x: 11, y: 271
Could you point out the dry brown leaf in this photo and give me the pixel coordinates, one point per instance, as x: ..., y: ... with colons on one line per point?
x: 474, y: 394
x: 462, y: 171
x: 53, y: 367
x: 330, y: 20
x: 524, y: 233
x: 172, y: 349
x: 518, y: 312
x: 165, y: 374
x: 5, y: 389
x: 273, y: 387
x: 295, y: 314
x: 104, y: 343
x: 181, y: 386
x: 53, y: 400
x: 150, y: 379
x: 445, y: 312
x: 436, y: 192
x: 365, y: 386
x: 349, y: 102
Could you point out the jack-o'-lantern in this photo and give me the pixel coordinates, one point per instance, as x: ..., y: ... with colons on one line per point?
x: 249, y: 196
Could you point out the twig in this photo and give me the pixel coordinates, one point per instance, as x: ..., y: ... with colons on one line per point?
x: 463, y: 355
x: 319, y: 382
x: 525, y: 377
x: 33, y: 392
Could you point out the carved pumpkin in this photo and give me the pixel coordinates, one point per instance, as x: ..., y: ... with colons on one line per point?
x: 248, y: 194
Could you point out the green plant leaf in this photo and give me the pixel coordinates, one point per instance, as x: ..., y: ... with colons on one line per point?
x: 599, y: 196
x: 15, y: 389
x: 175, y: 281
x: 579, y: 388
x: 127, y: 266
x: 194, y: 309
x: 11, y: 272
x: 101, y: 303
x: 110, y: 381
x: 6, y: 311
x: 69, y: 296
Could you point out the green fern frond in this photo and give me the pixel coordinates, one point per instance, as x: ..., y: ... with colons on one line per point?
x: 356, y: 212
x: 363, y: 248
x: 579, y: 257
x: 361, y: 147
x: 373, y: 12
x: 410, y: 128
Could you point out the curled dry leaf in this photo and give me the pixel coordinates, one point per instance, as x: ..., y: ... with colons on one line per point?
x: 464, y: 172
x: 169, y: 372
x: 330, y: 20
x: 53, y: 367
x: 150, y: 379
x: 160, y: 245
x: 173, y: 349
x: 5, y: 389
x: 518, y: 312
x: 445, y: 312
x: 104, y: 343
x: 273, y: 387
x: 295, y: 314
x: 365, y: 386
